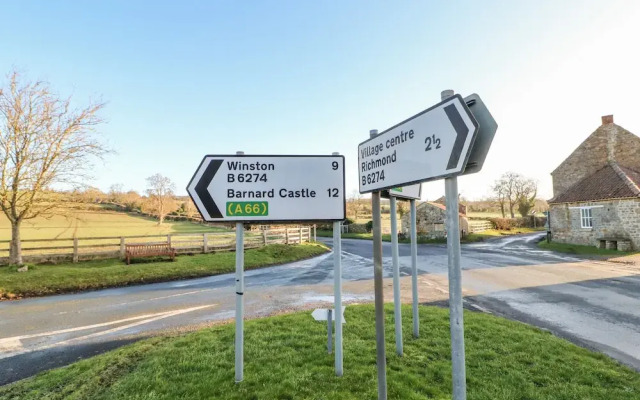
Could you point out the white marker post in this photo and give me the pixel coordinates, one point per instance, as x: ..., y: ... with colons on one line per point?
x: 414, y: 269
x: 397, y: 306
x: 381, y: 360
x: 337, y: 291
x: 456, y: 320
x: 239, y: 299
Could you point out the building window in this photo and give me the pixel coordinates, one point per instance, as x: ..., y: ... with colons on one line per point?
x: 586, y: 218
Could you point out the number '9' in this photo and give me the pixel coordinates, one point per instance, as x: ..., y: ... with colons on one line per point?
x: 334, y: 165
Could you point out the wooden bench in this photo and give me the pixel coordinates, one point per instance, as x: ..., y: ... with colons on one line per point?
x: 149, y: 250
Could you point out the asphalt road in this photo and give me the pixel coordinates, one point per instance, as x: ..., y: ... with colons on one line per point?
x: 592, y: 303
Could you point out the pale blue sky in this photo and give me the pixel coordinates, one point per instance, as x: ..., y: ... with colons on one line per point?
x: 185, y: 79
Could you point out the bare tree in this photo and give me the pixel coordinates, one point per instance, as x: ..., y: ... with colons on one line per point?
x: 501, y: 196
x: 354, y: 204
x: 44, y: 142
x: 160, y: 193
x: 515, y: 190
x: 116, y: 193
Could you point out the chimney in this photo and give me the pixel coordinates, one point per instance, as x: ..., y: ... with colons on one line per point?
x: 607, y: 119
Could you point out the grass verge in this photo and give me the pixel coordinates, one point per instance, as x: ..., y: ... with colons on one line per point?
x: 43, y: 280
x: 286, y: 358
x: 579, y: 249
x: 470, y: 238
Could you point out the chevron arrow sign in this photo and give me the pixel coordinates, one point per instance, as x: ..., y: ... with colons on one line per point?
x: 431, y: 145
x: 246, y: 188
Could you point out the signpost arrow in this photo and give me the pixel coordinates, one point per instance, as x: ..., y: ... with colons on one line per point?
x: 431, y: 145
x: 202, y: 192
x: 322, y: 314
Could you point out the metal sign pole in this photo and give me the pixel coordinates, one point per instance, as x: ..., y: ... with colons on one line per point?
x: 397, y: 306
x: 329, y: 330
x: 379, y: 297
x: 337, y: 291
x: 414, y: 269
x: 455, y: 285
x: 239, y: 299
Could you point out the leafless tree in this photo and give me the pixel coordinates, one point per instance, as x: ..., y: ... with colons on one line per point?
x: 160, y: 193
x: 116, y: 193
x: 44, y: 142
x: 513, y: 189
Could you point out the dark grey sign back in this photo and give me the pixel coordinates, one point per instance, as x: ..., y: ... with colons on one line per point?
x: 484, y: 137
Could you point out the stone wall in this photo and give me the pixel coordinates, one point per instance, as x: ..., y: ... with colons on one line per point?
x: 614, y: 218
x: 608, y: 142
x: 430, y: 220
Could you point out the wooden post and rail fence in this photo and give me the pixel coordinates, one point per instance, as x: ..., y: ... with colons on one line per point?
x: 77, y: 249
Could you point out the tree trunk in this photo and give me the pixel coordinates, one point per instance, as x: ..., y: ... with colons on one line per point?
x: 15, y: 250
x: 513, y: 215
x: 502, y: 208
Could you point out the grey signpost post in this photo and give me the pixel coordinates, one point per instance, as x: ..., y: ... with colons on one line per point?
x: 414, y: 269
x: 456, y: 320
x: 239, y: 345
x: 407, y: 193
x: 381, y: 360
x: 267, y: 188
x: 397, y: 306
x: 337, y: 291
x: 434, y: 144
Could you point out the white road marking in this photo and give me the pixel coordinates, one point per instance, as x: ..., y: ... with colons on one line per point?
x: 162, y: 297
x: 13, y: 345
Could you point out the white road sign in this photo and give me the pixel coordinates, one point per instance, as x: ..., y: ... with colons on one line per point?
x: 322, y: 314
x: 411, y: 192
x: 428, y: 146
x: 269, y: 188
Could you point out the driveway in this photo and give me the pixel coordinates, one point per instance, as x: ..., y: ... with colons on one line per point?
x: 593, y: 303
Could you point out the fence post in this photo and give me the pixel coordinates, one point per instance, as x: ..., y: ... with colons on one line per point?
x: 264, y: 236
x: 315, y: 238
x: 300, y: 238
x: 286, y: 235
x: 121, y: 246
x: 169, y: 239
x: 205, y: 243
x: 75, y: 249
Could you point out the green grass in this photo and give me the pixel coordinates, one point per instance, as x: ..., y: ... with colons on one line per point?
x: 579, y: 249
x: 43, y: 280
x: 286, y: 358
x: 470, y: 238
x: 83, y: 223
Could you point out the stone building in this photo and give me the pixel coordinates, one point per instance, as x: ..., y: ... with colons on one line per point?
x: 430, y: 220
x: 597, y: 191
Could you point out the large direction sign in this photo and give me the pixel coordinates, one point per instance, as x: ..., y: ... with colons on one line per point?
x: 243, y: 188
x: 431, y: 145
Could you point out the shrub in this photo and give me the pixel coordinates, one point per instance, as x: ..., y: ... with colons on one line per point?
x: 503, y: 224
x: 369, y: 226
x: 358, y: 228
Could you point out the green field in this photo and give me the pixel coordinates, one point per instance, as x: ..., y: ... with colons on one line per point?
x: 42, y: 280
x: 83, y: 223
x: 286, y: 358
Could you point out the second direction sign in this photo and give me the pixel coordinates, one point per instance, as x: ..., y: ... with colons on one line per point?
x: 431, y: 145
x: 249, y: 188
